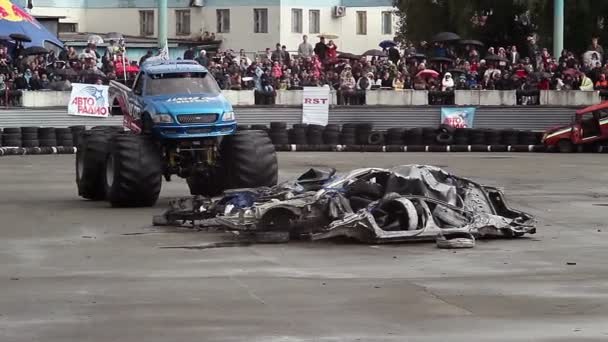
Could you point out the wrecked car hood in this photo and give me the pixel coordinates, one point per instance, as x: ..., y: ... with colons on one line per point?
x: 372, y: 205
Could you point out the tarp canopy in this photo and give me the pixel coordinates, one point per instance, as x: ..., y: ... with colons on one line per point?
x: 14, y: 19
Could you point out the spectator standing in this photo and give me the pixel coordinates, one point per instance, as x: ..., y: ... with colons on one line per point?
x: 332, y: 50
x: 447, y: 83
x: 143, y: 58
x: 44, y: 82
x: 586, y: 83
x: 189, y: 54
x: 365, y: 82
x: 21, y: 82
x: 514, y: 55
x: 321, y: 50
x: 286, y: 56
x: 277, y: 54
x: 595, y: 46
x: 393, y: 55
x: 202, y: 58
x: 602, y: 83
x: 305, y: 49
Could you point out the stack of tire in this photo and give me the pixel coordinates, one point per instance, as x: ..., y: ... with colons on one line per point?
x: 348, y: 134
x: 445, y: 135
x: 298, y: 134
x: 364, y: 130
x: 47, y: 136
x: 29, y: 137
x: 77, y: 133
x: 413, y: 137
x: 314, y: 134
x: 528, y: 138
x: 278, y: 133
x: 429, y: 136
x: 510, y: 137
x: 11, y: 137
x: 395, y: 136
x: 64, y: 137
x: 331, y: 135
x: 259, y: 128
x: 461, y: 136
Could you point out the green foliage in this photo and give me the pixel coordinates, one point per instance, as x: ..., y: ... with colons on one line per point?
x: 584, y: 19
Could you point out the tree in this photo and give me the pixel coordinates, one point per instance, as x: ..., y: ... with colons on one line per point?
x: 503, y: 23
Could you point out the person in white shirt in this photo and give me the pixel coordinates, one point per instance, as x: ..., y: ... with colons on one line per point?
x: 305, y: 48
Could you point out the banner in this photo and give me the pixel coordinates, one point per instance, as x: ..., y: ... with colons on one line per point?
x: 89, y: 100
x: 458, y: 117
x: 315, y: 105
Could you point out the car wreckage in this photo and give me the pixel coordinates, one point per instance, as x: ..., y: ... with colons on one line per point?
x: 372, y: 205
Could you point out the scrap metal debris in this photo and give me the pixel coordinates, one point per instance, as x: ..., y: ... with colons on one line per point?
x: 372, y: 205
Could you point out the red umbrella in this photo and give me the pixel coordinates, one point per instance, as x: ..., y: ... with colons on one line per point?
x: 427, y: 73
x: 571, y: 72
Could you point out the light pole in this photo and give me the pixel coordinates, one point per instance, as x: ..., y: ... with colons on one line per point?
x: 558, y: 27
x: 162, y: 24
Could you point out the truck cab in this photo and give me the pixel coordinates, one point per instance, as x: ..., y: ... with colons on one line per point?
x: 589, y: 126
x: 173, y: 100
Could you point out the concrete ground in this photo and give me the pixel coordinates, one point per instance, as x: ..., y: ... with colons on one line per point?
x: 73, y: 270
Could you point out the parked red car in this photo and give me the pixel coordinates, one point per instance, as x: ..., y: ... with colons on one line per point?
x: 589, y: 126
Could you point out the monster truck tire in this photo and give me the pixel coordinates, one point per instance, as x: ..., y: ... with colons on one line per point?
x: 375, y: 138
x: 248, y: 160
x: 565, y: 146
x: 133, y: 171
x: 90, y: 159
x: 12, y: 130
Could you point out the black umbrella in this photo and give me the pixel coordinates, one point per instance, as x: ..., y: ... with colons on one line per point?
x: 445, y: 37
x: 35, y: 50
x: 495, y: 58
x: 20, y: 37
x: 442, y: 60
x: 374, y: 53
x: 347, y: 55
x: 471, y: 42
x: 418, y: 56
x: 456, y: 71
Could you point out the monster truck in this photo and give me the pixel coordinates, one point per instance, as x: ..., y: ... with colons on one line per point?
x: 177, y: 123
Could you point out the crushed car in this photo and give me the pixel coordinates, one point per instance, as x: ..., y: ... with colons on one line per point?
x: 371, y: 205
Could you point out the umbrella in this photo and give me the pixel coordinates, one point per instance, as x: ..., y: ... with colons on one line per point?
x: 328, y: 36
x: 495, y: 58
x: 374, y: 53
x: 418, y: 56
x: 426, y: 73
x: 385, y: 44
x: 95, y: 39
x: 541, y: 74
x: 19, y: 37
x: 347, y: 55
x: 69, y: 72
x: 16, y: 21
x: 445, y: 37
x: 456, y: 71
x: 571, y: 72
x: 35, y: 50
x: 471, y: 42
x: 114, y: 36
x: 442, y: 60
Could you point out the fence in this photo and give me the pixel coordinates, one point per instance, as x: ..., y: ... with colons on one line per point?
x: 398, y: 98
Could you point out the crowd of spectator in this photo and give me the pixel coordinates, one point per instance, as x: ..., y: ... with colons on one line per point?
x: 422, y: 66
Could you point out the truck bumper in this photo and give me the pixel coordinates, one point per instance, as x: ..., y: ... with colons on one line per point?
x: 171, y: 131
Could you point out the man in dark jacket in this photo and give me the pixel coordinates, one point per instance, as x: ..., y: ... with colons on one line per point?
x: 321, y: 49
x: 202, y: 59
x: 393, y: 55
x: 189, y: 54
x: 143, y: 58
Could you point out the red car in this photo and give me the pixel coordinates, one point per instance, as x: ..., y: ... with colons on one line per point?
x: 589, y: 126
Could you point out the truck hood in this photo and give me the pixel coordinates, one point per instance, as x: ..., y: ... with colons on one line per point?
x: 189, y: 104
x: 558, y: 128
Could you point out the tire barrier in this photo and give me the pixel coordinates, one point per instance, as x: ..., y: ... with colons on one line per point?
x: 351, y: 137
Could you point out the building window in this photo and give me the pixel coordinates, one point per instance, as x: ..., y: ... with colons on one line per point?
x: 67, y: 27
x: 260, y: 20
x: 146, y: 23
x: 296, y: 20
x: 387, y: 23
x: 223, y: 20
x: 182, y: 22
x: 314, y: 21
x: 361, y: 22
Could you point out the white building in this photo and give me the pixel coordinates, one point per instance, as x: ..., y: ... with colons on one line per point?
x: 252, y: 25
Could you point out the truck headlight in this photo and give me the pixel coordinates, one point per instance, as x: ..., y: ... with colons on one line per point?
x: 228, y: 116
x: 162, y: 118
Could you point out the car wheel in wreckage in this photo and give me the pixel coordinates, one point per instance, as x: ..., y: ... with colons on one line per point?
x: 565, y: 146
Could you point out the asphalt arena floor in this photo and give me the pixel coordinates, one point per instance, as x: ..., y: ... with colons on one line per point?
x: 73, y: 270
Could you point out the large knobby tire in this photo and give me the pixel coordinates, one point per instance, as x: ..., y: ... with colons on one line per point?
x: 565, y: 146
x: 133, y: 171
x: 249, y: 160
x: 90, y: 159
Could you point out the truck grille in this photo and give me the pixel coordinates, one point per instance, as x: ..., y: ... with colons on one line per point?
x: 197, y: 118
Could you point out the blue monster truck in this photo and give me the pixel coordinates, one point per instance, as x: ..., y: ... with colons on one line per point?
x: 179, y: 123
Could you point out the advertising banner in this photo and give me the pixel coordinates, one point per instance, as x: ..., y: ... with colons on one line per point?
x: 460, y: 117
x: 89, y: 100
x: 315, y: 105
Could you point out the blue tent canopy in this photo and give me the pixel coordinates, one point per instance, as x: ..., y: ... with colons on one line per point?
x: 14, y: 19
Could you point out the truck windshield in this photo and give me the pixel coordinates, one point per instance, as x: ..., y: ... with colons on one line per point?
x: 180, y: 83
